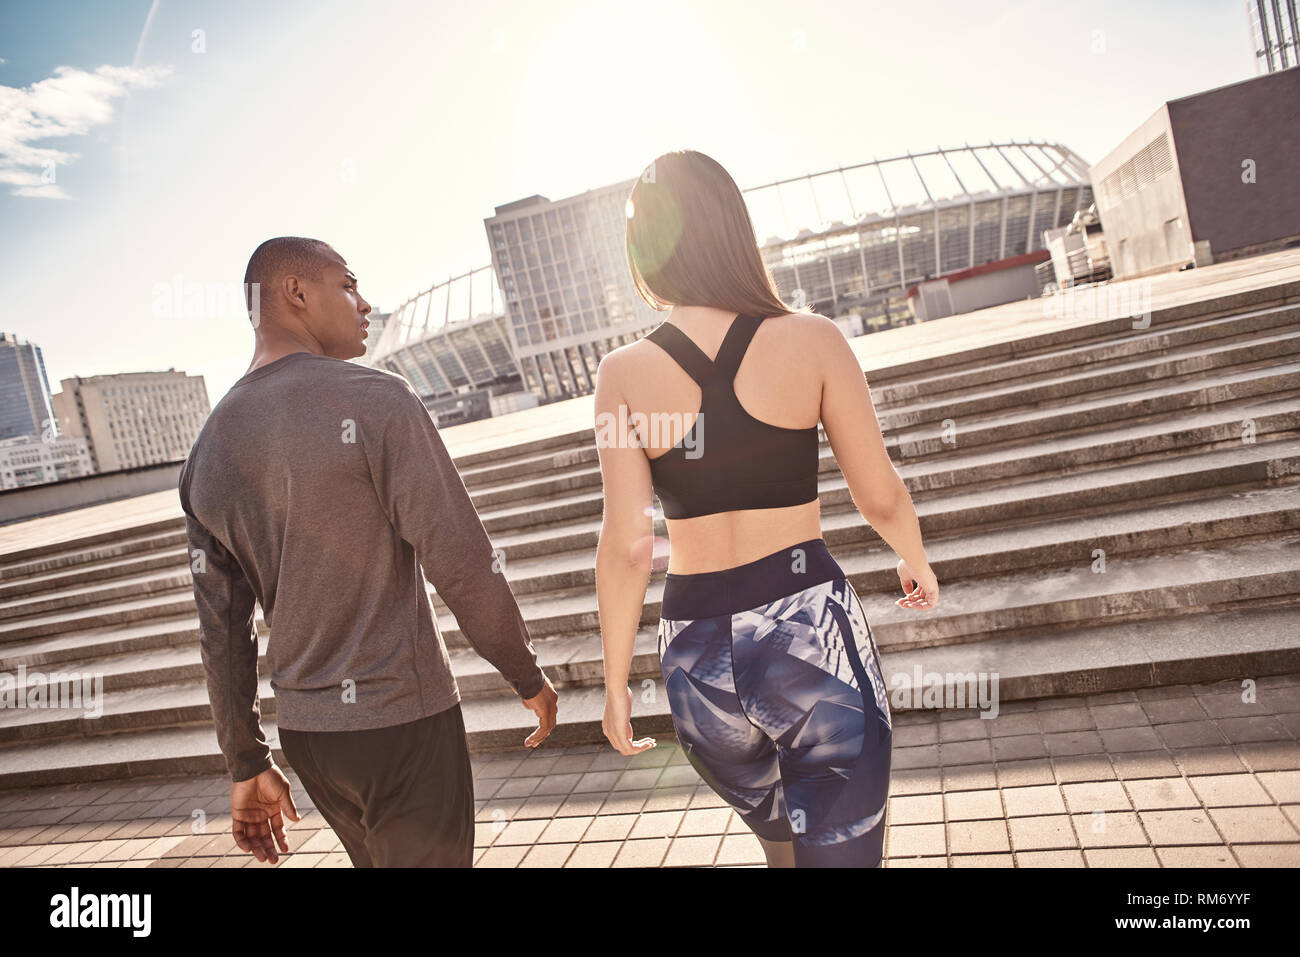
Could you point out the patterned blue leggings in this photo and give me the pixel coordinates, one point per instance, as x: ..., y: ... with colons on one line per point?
x: 777, y: 697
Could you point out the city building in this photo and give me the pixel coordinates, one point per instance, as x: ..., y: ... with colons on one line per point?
x: 1275, y: 32
x: 24, y: 391
x: 569, y: 297
x: 1207, y: 178
x: 133, y: 418
x: 452, y: 343
x: 35, y: 460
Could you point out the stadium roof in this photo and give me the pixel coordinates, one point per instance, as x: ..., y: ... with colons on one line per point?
x: 455, y: 300
x: 816, y: 203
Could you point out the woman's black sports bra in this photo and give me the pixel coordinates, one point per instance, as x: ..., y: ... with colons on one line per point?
x: 729, y: 460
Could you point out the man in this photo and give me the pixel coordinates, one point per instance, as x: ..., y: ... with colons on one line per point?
x: 319, y: 487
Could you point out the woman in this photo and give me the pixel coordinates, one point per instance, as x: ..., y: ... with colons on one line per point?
x: 772, y: 675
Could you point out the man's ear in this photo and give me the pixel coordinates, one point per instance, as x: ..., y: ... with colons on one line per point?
x: 294, y: 291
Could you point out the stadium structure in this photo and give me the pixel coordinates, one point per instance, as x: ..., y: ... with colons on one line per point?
x: 1274, y: 34
x: 452, y: 343
x: 855, y: 238
x: 847, y: 242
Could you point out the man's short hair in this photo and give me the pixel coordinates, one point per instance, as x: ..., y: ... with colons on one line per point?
x: 282, y: 256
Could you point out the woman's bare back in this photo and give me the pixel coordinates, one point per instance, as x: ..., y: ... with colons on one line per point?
x: 778, y: 382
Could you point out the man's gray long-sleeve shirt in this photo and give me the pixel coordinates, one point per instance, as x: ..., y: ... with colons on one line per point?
x: 318, y: 488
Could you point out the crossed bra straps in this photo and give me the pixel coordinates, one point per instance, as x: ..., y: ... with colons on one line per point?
x: 729, y: 460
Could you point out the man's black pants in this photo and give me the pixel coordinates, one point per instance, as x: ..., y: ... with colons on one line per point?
x: 401, y: 796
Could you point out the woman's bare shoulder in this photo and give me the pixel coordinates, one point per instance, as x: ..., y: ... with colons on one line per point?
x: 620, y: 361
x: 802, y: 320
x: 809, y: 331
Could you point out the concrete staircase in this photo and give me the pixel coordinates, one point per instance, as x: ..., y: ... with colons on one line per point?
x: 1106, y: 508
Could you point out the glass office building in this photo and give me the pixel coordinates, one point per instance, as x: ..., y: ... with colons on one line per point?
x: 25, y: 407
x: 569, y: 297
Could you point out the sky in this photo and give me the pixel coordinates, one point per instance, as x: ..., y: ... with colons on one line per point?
x: 148, y: 146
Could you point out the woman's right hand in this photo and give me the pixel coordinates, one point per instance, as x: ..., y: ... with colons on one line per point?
x: 617, y: 723
x: 921, y: 587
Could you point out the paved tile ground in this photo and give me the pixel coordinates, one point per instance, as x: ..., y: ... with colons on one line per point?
x: 1184, y: 776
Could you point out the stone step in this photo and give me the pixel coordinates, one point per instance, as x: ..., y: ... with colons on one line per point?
x: 1257, y: 308
x: 998, y: 606
x: 834, y: 494
x: 910, y: 442
x: 579, y: 495
x: 1095, y: 355
x: 1217, y: 427
x: 1242, y: 643
x: 576, y: 468
x: 571, y: 659
x: 1196, y: 526
x: 503, y: 475
x: 71, y: 556
x: 970, y: 564
x: 167, y: 686
x: 949, y: 509
x: 1200, y: 478
x: 1082, y: 401
x: 1099, y: 408
x: 971, y: 463
x: 1053, y: 661
x: 134, y: 668
x: 177, y: 601
x: 1172, y: 580
x: 1064, y: 660
x: 981, y: 343
x: 1100, y: 371
x: 74, y: 594
x: 94, y: 571
x: 1199, y: 430
x: 1136, y: 587
x: 1260, y: 308
x: 76, y: 545
x: 67, y: 648
x: 539, y: 583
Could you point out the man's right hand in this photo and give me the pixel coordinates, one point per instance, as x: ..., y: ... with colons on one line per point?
x: 258, y: 807
x: 543, y: 704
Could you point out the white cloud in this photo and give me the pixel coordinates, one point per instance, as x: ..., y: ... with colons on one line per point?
x: 68, y: 103
x: 46, y: 191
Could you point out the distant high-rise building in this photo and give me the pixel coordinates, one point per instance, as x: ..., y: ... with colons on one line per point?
x: 24, y: 390
x: 569, y: 298
x: 377, y: 322
x: 1275, y: 31
x: 134, y: 418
